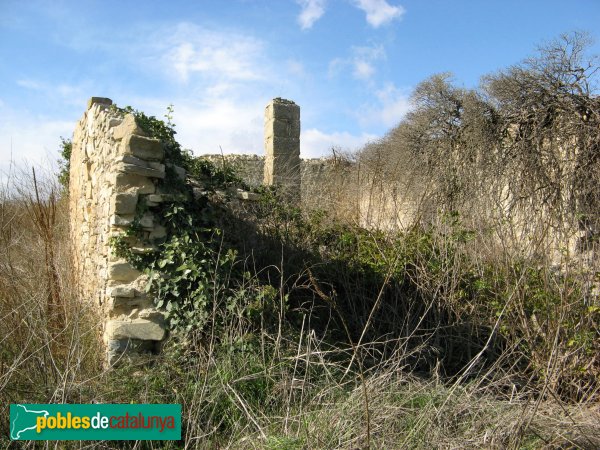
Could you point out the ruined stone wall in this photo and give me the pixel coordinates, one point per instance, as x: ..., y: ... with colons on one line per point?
x: 315, y: 173
x: 115, y: 172
x: 114, y: 167
x: 114, y: 177
x: 250, y: 168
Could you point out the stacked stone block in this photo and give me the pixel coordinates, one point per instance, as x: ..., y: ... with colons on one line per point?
x: 250, y: 168
x: 282, y: 145
x: 115, y: 167
x: 314, y: 173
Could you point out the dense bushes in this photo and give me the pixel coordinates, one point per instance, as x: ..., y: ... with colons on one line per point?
x: 431, y: 287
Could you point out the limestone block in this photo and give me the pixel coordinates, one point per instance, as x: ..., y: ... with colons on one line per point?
x: 89, y: 150
x: 245, y: 195
x: 113, y: 122
x: 120, y: 350
x: 99, y: 101
x: 155, y: 198
x: 147, y: 221
x: 169, y: 197
x: 129, y: 181
x: 127, y: 303
x: 122, y: 271
x: 152, y: 314
x: 281, y: 145
x: 141, y: 170
x: 124, y: 220
x: 143, y: 147
x: 143, y: 250
x: 156, y: 165
x: 132, y: 160
x: 137, y: 329
x: 124, y: 203
x: 127, y: 127
x: 121, y: 220
x: 283, y: 109
x: 179, y: 171
x: 158, y: 232
x: 282, y: 128
x: 123, y: 290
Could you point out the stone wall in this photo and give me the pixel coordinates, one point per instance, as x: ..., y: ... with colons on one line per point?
x: 115, y: 172
x: 114, y: 167
x: 319, y: 177
x: 250, y: 168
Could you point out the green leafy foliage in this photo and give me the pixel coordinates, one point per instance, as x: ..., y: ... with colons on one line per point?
x: 426, y: 282
x: 160, y: 130
x: 194, y: 273
x: 66, y: 147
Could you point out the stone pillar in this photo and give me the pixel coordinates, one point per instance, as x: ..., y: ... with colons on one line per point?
x: 282, y: 146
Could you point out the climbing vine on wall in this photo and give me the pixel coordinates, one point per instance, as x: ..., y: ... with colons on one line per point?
x: 194, y: 274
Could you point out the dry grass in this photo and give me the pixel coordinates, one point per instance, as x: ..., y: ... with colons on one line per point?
x: 48, y: 336
x: 289, y: 387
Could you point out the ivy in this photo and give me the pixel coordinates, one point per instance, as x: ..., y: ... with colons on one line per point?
x: 66, y: 148
x: 194, y: 274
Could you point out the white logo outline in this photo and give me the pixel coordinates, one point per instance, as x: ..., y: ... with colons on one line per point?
x: 18, y: 436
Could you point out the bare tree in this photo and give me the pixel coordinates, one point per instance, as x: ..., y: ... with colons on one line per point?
x: 527, y: 142
x: 551, y: 113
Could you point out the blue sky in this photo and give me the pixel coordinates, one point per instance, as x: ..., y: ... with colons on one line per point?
x: 349, y: 64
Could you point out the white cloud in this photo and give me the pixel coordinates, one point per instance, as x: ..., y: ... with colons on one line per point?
x: 315, y: 143
x: 362, y: 62
x: 27, y: 140
x: 224, y: 77
x: 71, y: 94
x: 238, y: 128
x: 211, y: 123
x: 394, y: 111
x: 33, y: 138
x: 190, y: 51
x: 296, y: 68
x: 363, y: 70
x: 228, y: 81
x: 30, y: 84
x: 379, y: 12
x: 222, y: 123
x: 221, y: 91
x: 335, y: 66
x: 312, y: 10
x: 391, y: 107
x: 364, y: 59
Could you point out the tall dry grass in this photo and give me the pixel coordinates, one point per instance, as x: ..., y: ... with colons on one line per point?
x: 274, y: 387
x: 49, y: 337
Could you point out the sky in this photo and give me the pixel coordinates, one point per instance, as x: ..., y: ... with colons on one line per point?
x: 350, y: 64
